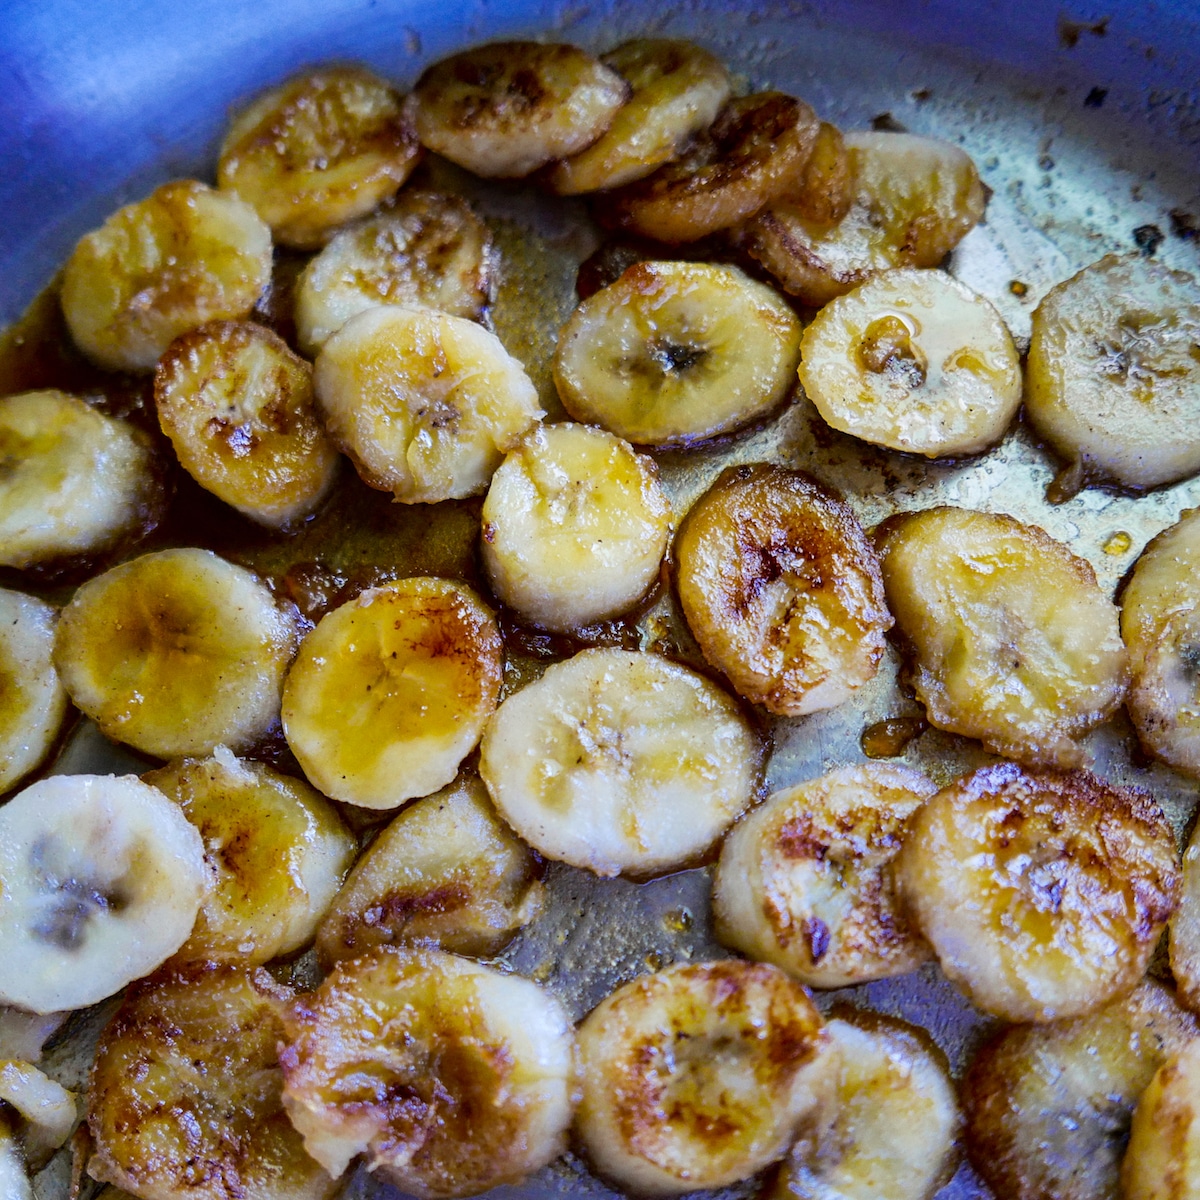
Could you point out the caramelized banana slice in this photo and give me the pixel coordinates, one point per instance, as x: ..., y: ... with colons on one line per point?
x: 1163, y: 1158
x: 676, y: 352
x: 678, y: 89
x: 826, y: 192
x: 1012, y: 640
x: 781, y: 588
x: 425, y: 404
x: 805, y: 880
x: 448, y: 1075
x: 913, y: 360
x: 505, y: 109
x: 446, y: 870
x: 186, y: 1092
x: 1114, y: 381
x: 425, y: 251
x: 46, y: 1111
x: 318, y: 151
x: 1048, y: 1107
x: 575, y: 526
x: 238, y: 407
x: 1185, y: 928
x: 155, y: 269
x: 1042, y: 892
x: 176, y: 652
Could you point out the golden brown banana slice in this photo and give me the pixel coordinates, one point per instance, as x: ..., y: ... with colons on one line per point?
x: 186, y: 1092
x: 392, y: 690
x: 447, y: 870
x: 781, y: 588
x: 1113, y: 379
x: 620, y: 762
x: 914, y: 200
x: 1042, y: 892
x: 1011, y: 639
x: 505, y: 109
x: 46, y: 1111
x: 913, y: 360
x: 676, y: 352
x: 1048, y: 1107
x: 426, y: 250
x: 318, y: 151
x: 185, y: 255
x: 176, y: 652
x: 424, y: 403
x: 678, y: 89
x: 448, y: 1075
x: 805, y: 881
x: 1163, y: 1158
x: 1185, y: 929
x: 575, y: 526
x: 238, y: 407
x: 755, y: 152
x: 826, y: 192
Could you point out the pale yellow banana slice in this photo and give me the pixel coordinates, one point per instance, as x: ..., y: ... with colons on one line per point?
x: 1113, y: 377
x: 620, y: 762
x: 46, y: 1111
x: 447, y: 870
x: 277, y: 850
x: 913, y: 360
x: 238, y: 407
x: 424, y: 403
x: 186, y: 1092
x: 805, y: 881
x: 448, y: 1075
x: 914, y: 200
x: 1042, y: 892
x: 575, y: 526
x: 1011, y: 639
x: 1162, y: 1161
x: 100, y: 880
x: 782, y: 589
x: 505, y: 109
x: 1185, y: 929
x: 391, y: 691
x: 75, y: 482
x: 678, y: 89
x: 318, y: 151
x: 426, y: 250
x: 826, y: 191
x: 176, y: 652
x: 155, y: 269
x: 699, y: 1075
x: 14, y: 1180
x: 1048, y: 1107
x: 676, y: 352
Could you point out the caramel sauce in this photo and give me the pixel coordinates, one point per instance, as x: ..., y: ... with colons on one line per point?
x: 890, y: 738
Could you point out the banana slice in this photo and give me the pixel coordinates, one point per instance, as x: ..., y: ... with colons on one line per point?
x: 391, y: 691
x: 447, y: 870
x: 678, y: 89
x: 897, y: 1123
x: 826, y: 192
x: 425, y: 251
x: 914, y: 200
x: 14, y: 1181
x: 318, y: 151
x: 100, y: 880
x: 699, y: 1075
x: 1114, y: 382
x: 155, y: 269
x: 1011, y: 639
x: 781, y: 588
x: 575, y: 526
x: 1048, y: 1107
x: 238, y: 407
x: 505, y: 109
x: 1042, y: 892
x: 277, y: 851
x: 755, y: 152
x: 176, y: 652
x: 24, y: 1034
x: 448, y: 1075
x: 1185, y: 929
x: 620, y: 762
x: 424, y: 403
x: 676, y: 352
x: 913, y: 360
x: 46, y: 1111
x: 805, y: 881
x: 75, y: 482
x: 1163, y: 1158
x: 186, y: 1092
